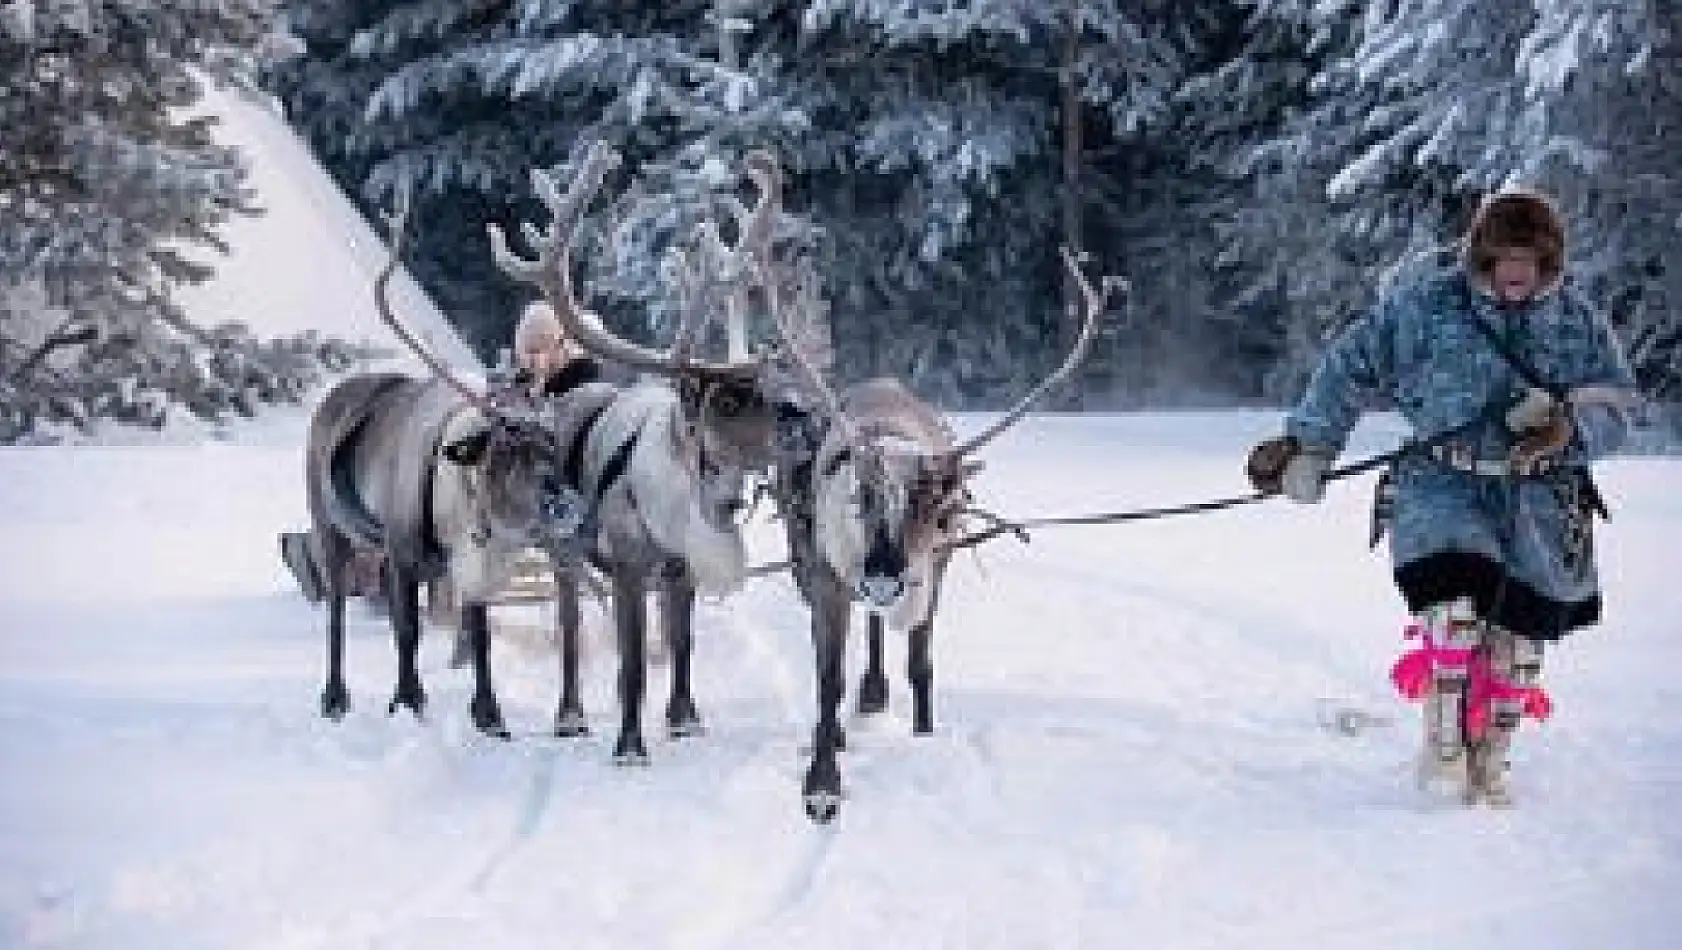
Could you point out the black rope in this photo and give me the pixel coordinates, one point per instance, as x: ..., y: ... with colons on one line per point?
x: 1020, y: 528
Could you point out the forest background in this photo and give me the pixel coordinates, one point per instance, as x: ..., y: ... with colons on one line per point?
x: 1256, y: 168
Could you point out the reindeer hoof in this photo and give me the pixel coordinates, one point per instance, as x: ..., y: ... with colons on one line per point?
x: 630, y: 752
x: 683, y: 721
x: 335, y: 702
x: 571, y: 724
x: 686, y: 730
x: 873, y: 695
x: 487, y: 717
x: 410, y: 698
x: 821, y: 791
x: 822, y: 807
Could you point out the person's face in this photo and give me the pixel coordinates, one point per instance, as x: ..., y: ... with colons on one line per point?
x: 543, y: 354
x: 1515, y: 274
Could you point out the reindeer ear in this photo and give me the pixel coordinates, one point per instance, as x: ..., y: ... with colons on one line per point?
x: 468, y: 450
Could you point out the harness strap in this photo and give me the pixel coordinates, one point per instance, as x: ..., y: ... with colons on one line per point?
x: 574, y: 466
x: 1523, y: 367
x: 615, y: 467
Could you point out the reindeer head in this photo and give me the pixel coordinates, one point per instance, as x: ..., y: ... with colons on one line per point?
x: 512, y: 465
x: 886, y: 492
x: 506, y: 454
x: 890, y: 483
x: 728, y: 422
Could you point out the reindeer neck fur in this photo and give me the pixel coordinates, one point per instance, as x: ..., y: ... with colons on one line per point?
x: 888, y: 416
x: 480, y: 557
x: 656, y: 507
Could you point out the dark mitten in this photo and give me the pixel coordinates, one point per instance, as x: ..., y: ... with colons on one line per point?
x: 1266, y: 464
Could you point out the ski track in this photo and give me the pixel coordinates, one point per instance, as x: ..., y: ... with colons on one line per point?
x: 1114, y: 754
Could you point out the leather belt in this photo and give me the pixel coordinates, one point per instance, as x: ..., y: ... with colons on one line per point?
x: 1463, y: 458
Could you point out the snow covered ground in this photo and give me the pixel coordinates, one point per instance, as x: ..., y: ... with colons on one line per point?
x: 1127, y: 750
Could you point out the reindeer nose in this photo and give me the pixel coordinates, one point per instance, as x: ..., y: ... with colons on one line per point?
x: 880, y: 590
x: 883, y: 580
x: 563, y: 509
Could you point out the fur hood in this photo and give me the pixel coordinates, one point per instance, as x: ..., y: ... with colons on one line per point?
x: 1516, y: 219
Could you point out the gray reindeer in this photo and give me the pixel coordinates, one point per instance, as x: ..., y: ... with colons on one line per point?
x: 662, y: 465
x: 871, y: 512
x: 441, y: 479
x: 385, y: 473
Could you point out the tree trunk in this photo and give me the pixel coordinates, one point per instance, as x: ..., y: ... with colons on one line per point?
x: 1069, y: 326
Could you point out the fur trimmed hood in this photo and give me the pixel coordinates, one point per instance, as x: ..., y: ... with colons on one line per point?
x: 1512, y: 219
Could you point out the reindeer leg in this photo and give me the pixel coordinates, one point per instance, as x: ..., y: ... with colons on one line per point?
x: 630, y: 612
x: 873, y: 685
x: 569, y: 715
x: 919, y: 668
x: 677, y: 622
x: 919, y: 661
x: 486, y: 713
x: 403, y: 594
x: 461, y: 651
x: 335, y: 699
x: 821, y: 790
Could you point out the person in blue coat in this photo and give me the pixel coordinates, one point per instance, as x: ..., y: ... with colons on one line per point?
x: 1513, y: 384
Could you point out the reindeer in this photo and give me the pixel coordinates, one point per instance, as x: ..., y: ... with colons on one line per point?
x: 440, y: 478
x: 669, y: 516
x: 385, y: 472
x: 871, y: 513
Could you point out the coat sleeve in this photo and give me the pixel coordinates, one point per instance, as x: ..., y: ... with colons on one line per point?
x: 1602, y: 423
x: 1358, y: 370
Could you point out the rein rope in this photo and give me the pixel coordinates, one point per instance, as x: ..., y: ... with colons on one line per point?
x: 1019, y: 528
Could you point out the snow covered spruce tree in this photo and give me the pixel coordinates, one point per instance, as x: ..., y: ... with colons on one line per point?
x: 1623, y: 116
x: 455, y: 103
x: 1421, y: 108
x: 929, y: 152
x: 959, y: 153
x: 1254, y: 165
x: 106, y: 184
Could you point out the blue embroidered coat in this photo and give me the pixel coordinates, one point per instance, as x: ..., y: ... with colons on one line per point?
x: 1504, y: 540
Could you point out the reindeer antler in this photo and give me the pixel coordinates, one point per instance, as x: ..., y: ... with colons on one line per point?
x: 756, y: 230
x: 551, y: 272
x: 397, y: 223
x: 1093, y: 300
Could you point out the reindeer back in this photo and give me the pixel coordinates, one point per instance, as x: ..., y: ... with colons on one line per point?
x: 338, y: 426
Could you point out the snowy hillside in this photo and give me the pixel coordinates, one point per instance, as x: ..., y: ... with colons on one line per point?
x: 308, y: 262
x: 1127, y: 751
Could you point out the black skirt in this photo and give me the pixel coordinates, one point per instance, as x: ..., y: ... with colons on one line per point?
x: 1501, y: 599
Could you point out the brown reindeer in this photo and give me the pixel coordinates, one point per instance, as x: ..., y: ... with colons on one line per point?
x: 871, y: 514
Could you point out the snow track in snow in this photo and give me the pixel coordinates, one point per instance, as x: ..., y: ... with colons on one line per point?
x: 1127, y: 745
